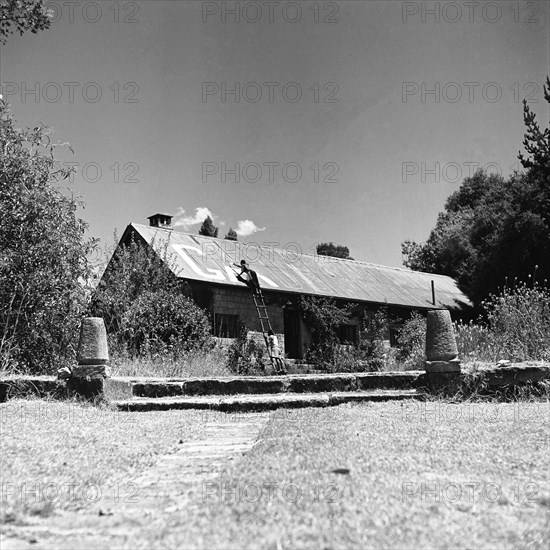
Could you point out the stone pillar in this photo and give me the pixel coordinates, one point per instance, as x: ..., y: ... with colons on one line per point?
x: 90, y: 379
x: 93, y: 353
x: 442, y: 363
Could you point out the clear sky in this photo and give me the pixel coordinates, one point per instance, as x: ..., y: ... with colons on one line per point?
x: 382, y: 106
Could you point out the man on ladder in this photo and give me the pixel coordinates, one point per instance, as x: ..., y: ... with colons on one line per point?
x: 250, y: 279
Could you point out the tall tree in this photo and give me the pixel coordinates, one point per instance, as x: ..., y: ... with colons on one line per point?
x: 494, y: 230
x: 208, y: 229
x: 231, y: 235
x: 44, y: 255
x: 536, y: 141
x: 23, y: 15
x: 43, y: 252
x: 335, y: 250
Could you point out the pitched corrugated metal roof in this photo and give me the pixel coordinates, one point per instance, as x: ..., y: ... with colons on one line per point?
x: 206, y: 259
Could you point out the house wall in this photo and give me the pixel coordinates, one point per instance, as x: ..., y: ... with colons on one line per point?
x: 240, y: 302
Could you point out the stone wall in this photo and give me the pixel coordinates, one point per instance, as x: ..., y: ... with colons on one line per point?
x: 240, y: 302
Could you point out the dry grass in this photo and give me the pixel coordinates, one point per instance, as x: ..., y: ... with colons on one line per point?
x: 476, y: 343
x: 194, y: 364
x: 384, y: 475
x: 48, y: 445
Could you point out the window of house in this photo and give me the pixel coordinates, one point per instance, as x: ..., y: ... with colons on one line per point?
x: 348, y: 334
x: 226, y: 325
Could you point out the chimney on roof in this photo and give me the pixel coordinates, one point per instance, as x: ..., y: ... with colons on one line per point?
x: 161, y: 220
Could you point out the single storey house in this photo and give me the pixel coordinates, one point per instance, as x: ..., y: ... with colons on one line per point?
x: 285, y: 274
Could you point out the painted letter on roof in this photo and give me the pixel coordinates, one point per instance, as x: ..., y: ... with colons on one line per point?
x: 213, y: 274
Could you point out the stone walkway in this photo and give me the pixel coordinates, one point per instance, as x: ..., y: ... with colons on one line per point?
x: 177, y: 480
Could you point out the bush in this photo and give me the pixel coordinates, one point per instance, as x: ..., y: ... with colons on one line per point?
x: 519, y: 319
x: 245, y: 356
x: 371, y: 354
x: 323, y: 318
x: 351, y: 359
x: 372, y: 340
x: 515, y: 326
x: 164, y: 323
x: 135, y: 268
x: 145, y: 306
x: 411, y: 342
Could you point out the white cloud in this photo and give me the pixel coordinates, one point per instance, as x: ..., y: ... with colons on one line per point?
x: 188, y: 221
x: 245, y: 228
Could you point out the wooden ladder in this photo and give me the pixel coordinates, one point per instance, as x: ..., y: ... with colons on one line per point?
x: 265, y: 323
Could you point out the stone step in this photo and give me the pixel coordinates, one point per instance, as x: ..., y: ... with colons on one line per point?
x: 124, y: 388
x: 250, y: 403
x: 306, y: 383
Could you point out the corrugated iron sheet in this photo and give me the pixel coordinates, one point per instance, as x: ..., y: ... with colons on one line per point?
x: 206, y: 259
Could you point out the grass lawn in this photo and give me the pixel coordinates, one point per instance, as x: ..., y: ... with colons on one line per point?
x: 385, y: 475
x: 380, y: 475
x: 73, y: 450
